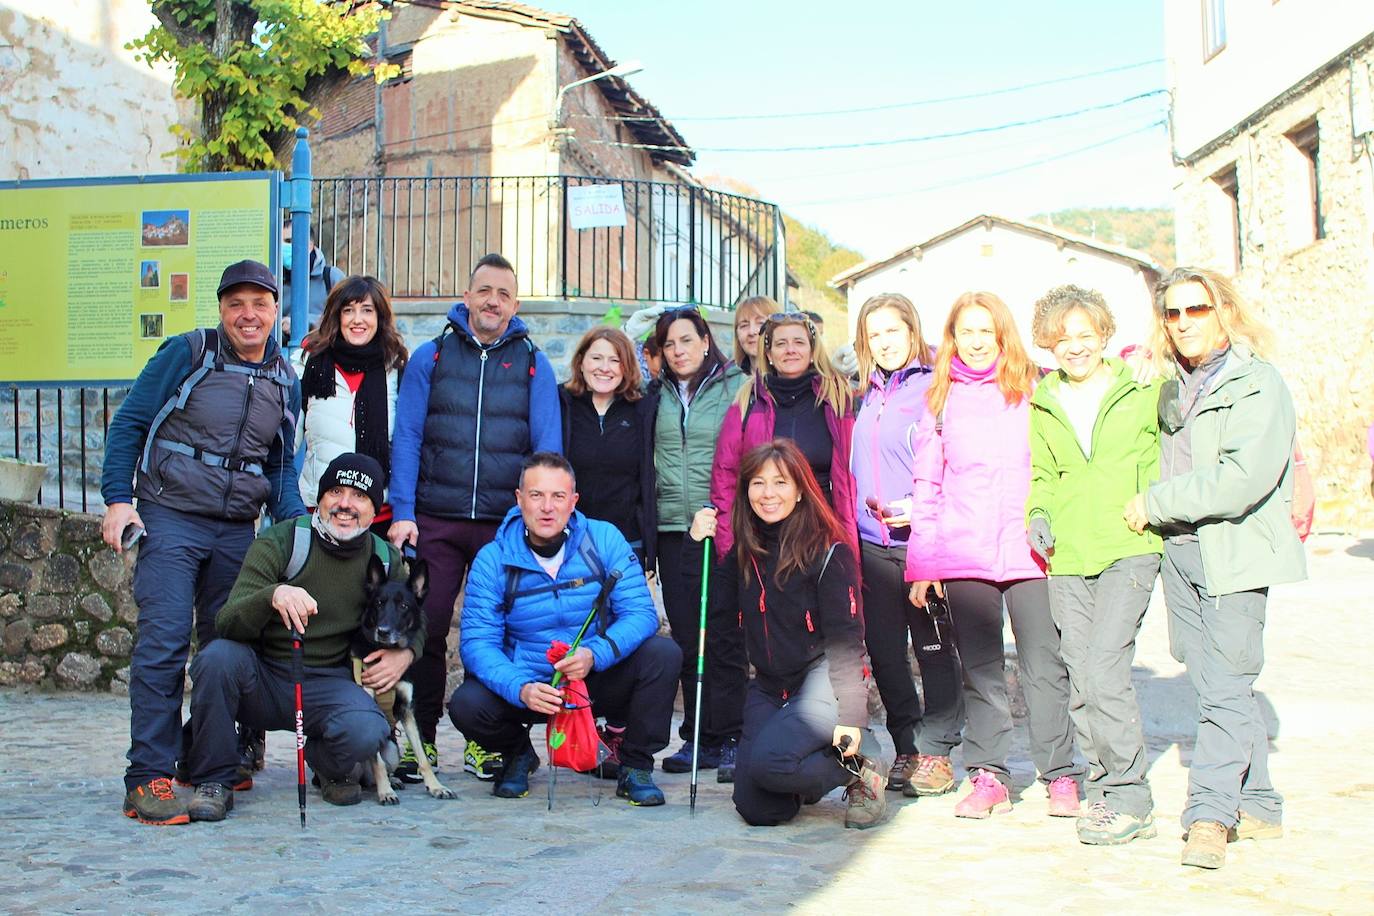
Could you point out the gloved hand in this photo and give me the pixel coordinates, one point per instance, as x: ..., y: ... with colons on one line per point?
x: 643, y: 321
x: 1040, y: 537
x: 845, y: 360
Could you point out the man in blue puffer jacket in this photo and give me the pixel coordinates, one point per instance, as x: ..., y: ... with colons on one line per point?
x: 551, y: 562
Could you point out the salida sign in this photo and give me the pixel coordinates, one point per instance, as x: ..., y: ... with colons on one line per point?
x: 594, y: 205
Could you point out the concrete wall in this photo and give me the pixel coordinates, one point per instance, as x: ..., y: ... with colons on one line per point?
x: 73, y: 101
x: 1318, y: 295
x: 1016, y: 266
x: 1270, y: 46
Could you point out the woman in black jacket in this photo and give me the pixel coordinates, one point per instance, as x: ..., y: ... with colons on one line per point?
x: 608, y: 438
x: 792, y: 582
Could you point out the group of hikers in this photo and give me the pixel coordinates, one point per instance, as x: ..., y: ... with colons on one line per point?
x: 829, y: 524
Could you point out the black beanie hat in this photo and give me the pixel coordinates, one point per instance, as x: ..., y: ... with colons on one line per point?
x: 360, y: 472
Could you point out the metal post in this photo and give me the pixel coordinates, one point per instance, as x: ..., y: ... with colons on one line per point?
x: 299, y: 189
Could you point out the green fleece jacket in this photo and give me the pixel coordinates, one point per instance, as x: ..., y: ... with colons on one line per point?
x: 1081, y: 496
x: 335, y: 583
x: 685, y: 444
x: 1239, y: 493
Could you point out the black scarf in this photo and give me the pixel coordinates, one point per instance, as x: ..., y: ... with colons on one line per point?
x: 788, y: 391
x: 369, y: 407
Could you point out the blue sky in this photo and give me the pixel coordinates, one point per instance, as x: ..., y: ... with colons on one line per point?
x: 710, y: 59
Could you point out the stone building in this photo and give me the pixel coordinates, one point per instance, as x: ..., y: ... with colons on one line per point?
x: 1272, y: 121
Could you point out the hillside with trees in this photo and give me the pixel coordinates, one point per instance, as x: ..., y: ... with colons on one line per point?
x: 1148, y: 230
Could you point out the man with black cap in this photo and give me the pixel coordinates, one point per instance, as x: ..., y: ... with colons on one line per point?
x: 203, y: 440
x: 314, y: 585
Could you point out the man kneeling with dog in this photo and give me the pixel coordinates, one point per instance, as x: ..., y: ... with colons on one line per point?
x: 537, y: 582
x: 246, y: 675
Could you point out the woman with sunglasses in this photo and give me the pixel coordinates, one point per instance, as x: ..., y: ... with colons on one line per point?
x: 1094, y: 445
x: 895, y: 366
x: 693, y: 393
x: 1227, y: 428
x: 749, y: 318
x: 968, y: 542
x: 792, y: 582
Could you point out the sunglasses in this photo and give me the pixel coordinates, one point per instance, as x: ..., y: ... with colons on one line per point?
x: 1195, y: 313
x: 778, y: 318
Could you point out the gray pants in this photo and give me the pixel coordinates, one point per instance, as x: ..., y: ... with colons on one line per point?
x: 1220, y: 639
x: 976, y: 607
x: 1098, y: 619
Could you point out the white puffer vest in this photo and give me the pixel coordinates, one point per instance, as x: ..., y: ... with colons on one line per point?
x: 327, y: 431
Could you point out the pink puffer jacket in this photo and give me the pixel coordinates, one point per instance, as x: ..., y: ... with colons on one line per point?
x: 971, y: 480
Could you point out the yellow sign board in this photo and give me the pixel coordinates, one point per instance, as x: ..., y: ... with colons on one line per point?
x: 96, y: 273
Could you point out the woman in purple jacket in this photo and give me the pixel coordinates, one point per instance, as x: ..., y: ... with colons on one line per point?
x: 895, y: 366
x: 968, y: 540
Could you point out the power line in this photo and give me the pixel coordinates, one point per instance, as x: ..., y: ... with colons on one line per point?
x: 982, y: 176
x: 868, y: 144
x: 917, y: 103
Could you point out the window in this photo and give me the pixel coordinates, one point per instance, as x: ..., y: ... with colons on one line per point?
x: 1213, y: 28
x: 1307, y: 199
x: 1228, y: 183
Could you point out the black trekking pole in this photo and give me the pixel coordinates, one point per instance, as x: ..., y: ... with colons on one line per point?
x: 298, y: 674
x: 707, y: 547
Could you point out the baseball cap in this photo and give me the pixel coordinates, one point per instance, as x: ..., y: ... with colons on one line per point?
x: 248, y: 272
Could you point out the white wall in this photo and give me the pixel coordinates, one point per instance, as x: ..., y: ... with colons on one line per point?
x: 1270, y: 46
x: 1019, y: 268
x: 73, y: 101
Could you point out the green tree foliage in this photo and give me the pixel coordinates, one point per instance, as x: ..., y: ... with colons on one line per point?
x: 257, y: 69
x: 1148, y: 230
x: 814, y: 259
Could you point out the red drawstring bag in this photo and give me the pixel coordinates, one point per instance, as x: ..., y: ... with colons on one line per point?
x: 572, y: 738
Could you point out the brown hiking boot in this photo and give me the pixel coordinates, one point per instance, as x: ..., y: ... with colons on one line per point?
x: 900, y: 774
x: 154, y: 802
x: 934, y: 776
x: 867, y: 802
x: 1250, y: 827
x: 1206, y: 846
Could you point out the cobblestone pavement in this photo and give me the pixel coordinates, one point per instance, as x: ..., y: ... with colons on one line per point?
x: 64, y: 846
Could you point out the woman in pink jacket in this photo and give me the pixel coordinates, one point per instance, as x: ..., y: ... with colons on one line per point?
x: 968, y: 543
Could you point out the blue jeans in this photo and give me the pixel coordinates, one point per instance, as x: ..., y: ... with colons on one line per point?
x: 186, y: 566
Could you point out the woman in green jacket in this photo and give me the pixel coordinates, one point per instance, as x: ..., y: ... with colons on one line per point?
x: 1095, y: 445
x: 1223, y: 504
x: 695, y: 390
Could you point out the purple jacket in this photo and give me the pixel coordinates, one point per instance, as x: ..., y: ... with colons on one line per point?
x: 972, y: 479
x: 885, y: 444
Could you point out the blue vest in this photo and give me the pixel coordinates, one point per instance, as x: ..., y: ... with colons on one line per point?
x: 477, y: 426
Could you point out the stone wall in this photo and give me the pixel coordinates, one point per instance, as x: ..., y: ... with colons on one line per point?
x: 66, y: 606
x: 1318, y: 295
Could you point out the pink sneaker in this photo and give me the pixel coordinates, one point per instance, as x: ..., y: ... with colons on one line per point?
x: 1064, y: 797
x: 988, y: 796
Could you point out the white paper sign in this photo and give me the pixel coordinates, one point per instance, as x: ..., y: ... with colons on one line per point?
x: 592, y: 205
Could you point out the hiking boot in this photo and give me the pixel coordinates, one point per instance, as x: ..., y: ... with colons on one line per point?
x: 345, y: 791
x: 934, y: 775
x: 612, y: 737
x: 638, y: 786
x: 725, y: 764
x: 154, y: 802
x: 252, y: 747
x: 900, y: 775
x: 1101, y: 826
x: 1064, y: 798
x: 708, y: 758
x: 1250, y: 827
x: 479, y: 762
x: 989, y: 796
x: 867, y: 800
x: 212, y: 802
x: 408, y: 770
x: 514, y: 778
x: 1205, y: 846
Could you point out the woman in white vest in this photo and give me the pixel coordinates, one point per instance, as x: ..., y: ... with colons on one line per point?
x: 348, y: 384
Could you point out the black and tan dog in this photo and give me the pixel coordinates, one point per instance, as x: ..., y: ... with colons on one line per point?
x: 392, y: 617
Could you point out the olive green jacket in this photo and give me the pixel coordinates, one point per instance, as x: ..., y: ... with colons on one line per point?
x: 685, y: 444
x: 1083, y: 496
x: 1239, y: 494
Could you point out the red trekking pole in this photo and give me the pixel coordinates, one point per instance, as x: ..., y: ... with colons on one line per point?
x: 298, y: 673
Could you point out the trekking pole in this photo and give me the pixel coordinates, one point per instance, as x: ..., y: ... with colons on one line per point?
x: 298, y: 673
x: 707, y: 547
x: 611, y: 579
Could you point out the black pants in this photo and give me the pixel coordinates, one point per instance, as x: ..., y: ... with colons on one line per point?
x: 785, y: 751
x: 638, y: 691
x: 232, y: 682
x: 727, y: 668
x: 890, y: 619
